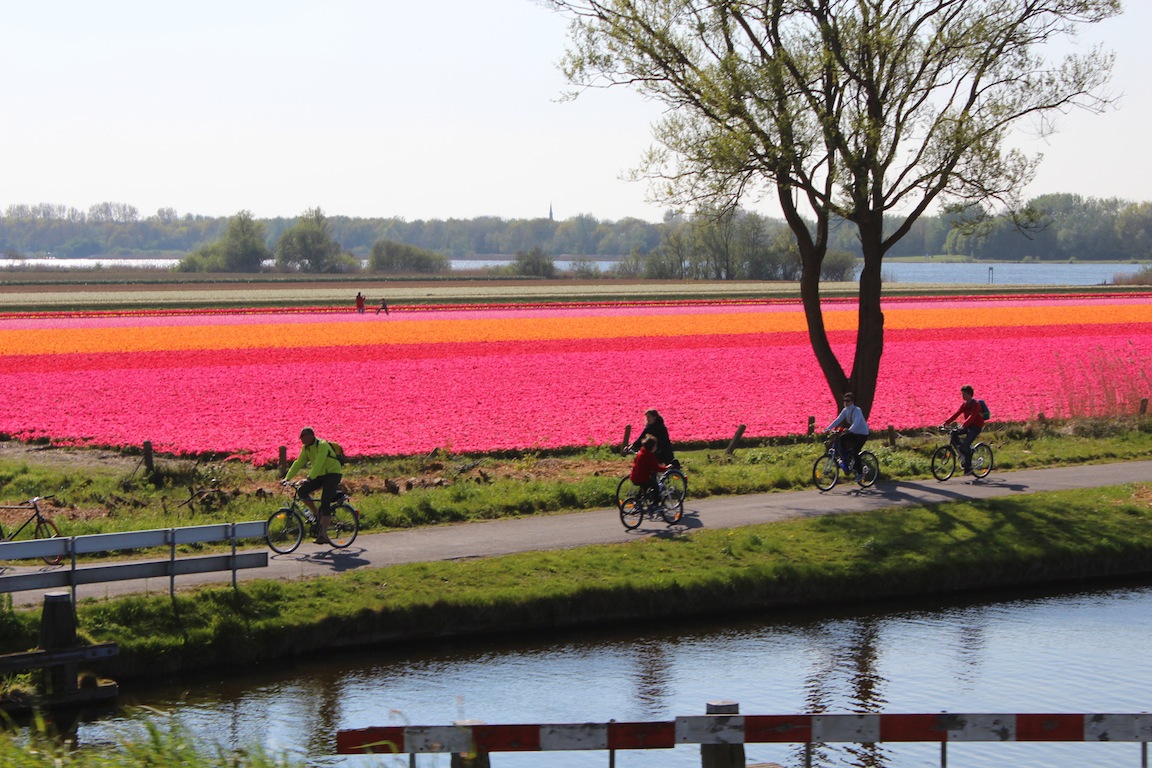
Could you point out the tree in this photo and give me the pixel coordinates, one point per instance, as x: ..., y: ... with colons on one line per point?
x: 534, y: 263
x: 388, y: 256
x: 857, y: 110
x: 240, y: 249
x: 308, y: 246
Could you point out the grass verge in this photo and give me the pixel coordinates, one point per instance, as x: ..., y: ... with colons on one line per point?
x: 945, y: 548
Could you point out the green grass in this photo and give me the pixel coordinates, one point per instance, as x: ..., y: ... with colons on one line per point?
x: 942, y: 548
x: 168, y: 747
x: 453, y: 488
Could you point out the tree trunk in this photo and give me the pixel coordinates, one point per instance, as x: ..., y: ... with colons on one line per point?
x: 870, y: 329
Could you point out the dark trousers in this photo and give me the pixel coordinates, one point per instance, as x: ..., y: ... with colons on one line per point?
x: 850, y: 446
x: 329, y: 485
x: 968, y: 436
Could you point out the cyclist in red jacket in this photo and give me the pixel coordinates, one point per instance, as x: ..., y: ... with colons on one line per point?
x: 972, y: 425
x: 645, y: 466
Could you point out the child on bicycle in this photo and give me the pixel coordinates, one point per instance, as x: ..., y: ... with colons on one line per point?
x: 855, y: 434
x: 971, y: 427
x: 645, y: 467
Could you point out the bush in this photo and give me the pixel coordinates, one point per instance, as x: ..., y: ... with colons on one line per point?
x: 388, y: 256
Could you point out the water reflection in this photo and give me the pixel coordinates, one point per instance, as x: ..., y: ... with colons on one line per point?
x: 1082, y: 652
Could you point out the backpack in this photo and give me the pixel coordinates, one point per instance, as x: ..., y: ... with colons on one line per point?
x: 338, y: 453
x: 984, y: 412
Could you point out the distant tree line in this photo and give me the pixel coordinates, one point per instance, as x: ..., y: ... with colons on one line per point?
x: 715, y: 245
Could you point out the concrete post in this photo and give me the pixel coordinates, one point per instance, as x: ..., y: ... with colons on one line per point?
x: 722, y: 755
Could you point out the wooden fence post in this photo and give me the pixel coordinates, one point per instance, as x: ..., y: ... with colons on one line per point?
x: 735, y: 439
x: 891, y: 436
x: 149, y: 467
x: 283, y: 459
x: 627, y: 438
x: 811, y: 425
x: 722, y: 755
x: 57, y: 632
x: 473, y: 760
x: 1143, y: 406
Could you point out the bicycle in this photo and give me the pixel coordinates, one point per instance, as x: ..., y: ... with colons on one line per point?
x: 673, y: 476
x: 287, y: 525
x: 944, y: 457
x: 667, y: 501
x: 43, y: 529
x: 826, y: 471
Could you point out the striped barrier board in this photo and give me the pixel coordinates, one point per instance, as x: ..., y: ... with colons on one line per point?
x: 746, y: 729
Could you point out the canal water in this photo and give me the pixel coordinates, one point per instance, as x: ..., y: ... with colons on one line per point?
x: 1085, y: 651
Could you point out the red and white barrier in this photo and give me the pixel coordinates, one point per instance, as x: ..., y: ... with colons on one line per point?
x: 746, y: 729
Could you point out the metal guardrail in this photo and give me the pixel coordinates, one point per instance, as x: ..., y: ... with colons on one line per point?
x: 72, y: 575
x: 471, y: 737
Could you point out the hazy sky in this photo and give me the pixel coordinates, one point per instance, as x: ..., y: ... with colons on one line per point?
x: 445, y: 109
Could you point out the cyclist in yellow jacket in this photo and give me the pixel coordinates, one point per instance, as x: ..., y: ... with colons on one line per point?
x: 325, y: 472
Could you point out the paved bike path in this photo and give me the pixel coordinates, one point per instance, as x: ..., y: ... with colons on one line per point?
x: 563, y: 531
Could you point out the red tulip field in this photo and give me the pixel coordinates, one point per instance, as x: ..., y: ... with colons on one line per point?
x: 479, y: 378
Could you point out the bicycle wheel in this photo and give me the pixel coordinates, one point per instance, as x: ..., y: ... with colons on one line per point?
x: 825, y: 473
x: 624, y: 489
x: 675, y: 488
x: 46, y: 529
x: 343, y: 526
x: 869, y: 469
x: 943, y: 463
x: 631, y: 513
x: 981, y: 459
x: 285, y: 531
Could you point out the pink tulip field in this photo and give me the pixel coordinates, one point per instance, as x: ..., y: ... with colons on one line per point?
x: 481, y: 378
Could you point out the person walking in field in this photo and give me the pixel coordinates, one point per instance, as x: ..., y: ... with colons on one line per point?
x: 383, y: 306
x: 359, y: 302
x: 324, y: 472
x: 973, y: 412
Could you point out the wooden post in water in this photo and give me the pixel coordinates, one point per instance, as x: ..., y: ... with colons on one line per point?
x: 722, y: 755
x: 57, y: 632
x: 149, y: 467
x: 473, y: 760
x: 735, y: 439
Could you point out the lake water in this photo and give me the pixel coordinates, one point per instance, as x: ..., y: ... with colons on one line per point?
x: 1075, y: 652
x: 1031, y: 273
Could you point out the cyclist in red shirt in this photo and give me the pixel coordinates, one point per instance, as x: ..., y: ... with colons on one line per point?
x: 645, y: 466
x: 971, y: 426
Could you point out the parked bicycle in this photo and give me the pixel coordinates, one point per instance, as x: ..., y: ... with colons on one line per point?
x: 826, y: 472
x: 944, y: 457
x: 665, y: 501
x: 288, y: 525
x: 42, y: 529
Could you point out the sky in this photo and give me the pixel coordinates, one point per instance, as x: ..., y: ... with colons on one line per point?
x: 387, y: 108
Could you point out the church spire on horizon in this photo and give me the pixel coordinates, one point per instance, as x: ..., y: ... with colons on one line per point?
x: 550, y: 211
